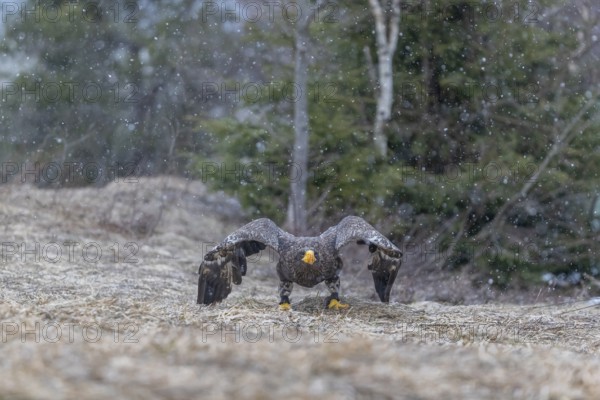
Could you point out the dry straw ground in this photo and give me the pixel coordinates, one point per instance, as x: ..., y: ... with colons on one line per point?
x: 104, y: 308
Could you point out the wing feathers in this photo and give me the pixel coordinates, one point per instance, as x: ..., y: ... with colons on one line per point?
x: 352, y: 229
x: 261, y: 232
x: 226, y: 263
x: 214, y: 282
x: 384, y: 270
x: 386, y: 259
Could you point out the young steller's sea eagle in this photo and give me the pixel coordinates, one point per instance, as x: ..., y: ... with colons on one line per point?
x: 306, y: 261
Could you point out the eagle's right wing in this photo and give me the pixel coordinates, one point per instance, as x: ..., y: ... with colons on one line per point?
x: 386, y: 257
x: 226, y: 262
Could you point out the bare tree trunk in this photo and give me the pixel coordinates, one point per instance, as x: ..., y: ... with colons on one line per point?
x: 297, y: 215
x: 386, y: 35
x: 299, y: 168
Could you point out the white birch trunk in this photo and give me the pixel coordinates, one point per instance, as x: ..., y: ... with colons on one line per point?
x: 386, y: 38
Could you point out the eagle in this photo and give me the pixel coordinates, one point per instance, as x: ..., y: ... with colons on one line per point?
x: 306, y: 261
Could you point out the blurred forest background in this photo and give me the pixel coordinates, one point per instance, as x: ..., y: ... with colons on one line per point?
x: 491, y: 149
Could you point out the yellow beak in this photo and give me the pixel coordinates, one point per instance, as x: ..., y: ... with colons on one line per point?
x: 309, y: 257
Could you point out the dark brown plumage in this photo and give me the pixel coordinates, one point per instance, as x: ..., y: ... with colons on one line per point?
x: 306, y: 261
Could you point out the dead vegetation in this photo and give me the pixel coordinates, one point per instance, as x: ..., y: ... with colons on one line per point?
x: 114, y: 316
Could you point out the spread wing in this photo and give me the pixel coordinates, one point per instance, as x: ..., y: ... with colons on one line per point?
x: 226, y: 262
x: 386, y: 257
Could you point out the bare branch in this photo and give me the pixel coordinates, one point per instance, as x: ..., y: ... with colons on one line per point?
x: 562, y: 140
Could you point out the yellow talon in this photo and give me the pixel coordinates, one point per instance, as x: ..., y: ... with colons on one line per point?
x: 337, y: 305
x: 285, y: 307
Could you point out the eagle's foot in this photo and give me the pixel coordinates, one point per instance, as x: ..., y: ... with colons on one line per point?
x: 337, y: 305
x: 284, y: 304
x: 333, y: 303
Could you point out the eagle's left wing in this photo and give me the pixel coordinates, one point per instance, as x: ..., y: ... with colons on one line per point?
x: 226, y: 262
x: 386, y: 257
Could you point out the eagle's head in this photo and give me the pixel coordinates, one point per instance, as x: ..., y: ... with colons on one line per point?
x: 309, y: 257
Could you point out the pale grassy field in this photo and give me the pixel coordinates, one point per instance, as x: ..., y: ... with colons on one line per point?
x: 112, y: 314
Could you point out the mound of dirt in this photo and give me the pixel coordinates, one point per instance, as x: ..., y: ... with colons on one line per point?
x: 98, y: 301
